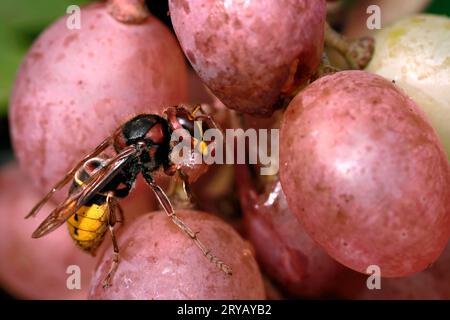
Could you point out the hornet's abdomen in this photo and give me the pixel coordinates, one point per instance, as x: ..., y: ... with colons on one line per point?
x: 88, y: 226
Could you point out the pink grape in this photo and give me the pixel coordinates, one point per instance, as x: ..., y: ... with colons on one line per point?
x: 158, y: 261
x: 244, y: 50
x: 366, y: 174
x: 75, y: 87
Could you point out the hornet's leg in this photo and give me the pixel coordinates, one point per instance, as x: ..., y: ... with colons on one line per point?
x: 121, y: 217
x: 112, y: 206
x: 129, y: 180
x: 167, y: 206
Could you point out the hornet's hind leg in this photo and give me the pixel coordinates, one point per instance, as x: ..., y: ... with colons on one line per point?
x: 112, y: 207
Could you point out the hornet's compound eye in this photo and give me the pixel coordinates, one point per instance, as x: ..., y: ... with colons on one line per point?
x: 196, y: 127
x: 191, y: 123
x: 180, y: 117
x: 186, y: 121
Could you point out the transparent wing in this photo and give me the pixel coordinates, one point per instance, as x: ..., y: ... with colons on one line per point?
x: 84, y: 193
x: 99, y: 180
x: 69, y: 176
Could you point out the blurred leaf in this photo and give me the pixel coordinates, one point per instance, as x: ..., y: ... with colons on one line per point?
x: 441, y: 7
x: 33, y: 15
x: 21, y: 22
x: 11, y: 53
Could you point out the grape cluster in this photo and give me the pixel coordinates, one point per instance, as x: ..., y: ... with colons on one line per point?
x: 364, y: 176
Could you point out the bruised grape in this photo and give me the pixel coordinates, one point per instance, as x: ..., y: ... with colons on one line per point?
x: 246, y: 51
x: 158, y: 261
x: 366, y: 174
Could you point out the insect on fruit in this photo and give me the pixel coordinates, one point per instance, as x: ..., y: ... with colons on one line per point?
x: 142, y: 145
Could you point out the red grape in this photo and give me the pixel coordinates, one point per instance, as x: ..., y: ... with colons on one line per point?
x: 158, y: 261
x: 366, y: 174
x: 245, y: 51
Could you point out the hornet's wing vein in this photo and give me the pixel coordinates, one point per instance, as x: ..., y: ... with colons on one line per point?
x: 77, y: 199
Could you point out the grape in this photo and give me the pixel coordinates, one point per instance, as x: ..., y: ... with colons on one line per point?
x: 244, y: 50
x: 283, y: 248
x: 366, y: 174
x: 415, y: 52
x: 75, y: 87
x: 158, y: 261
x: 35, y: 268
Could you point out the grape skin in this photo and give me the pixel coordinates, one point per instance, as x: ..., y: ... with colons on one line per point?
x: 244, y: 50
x: 158, y: 261
x: 366, y: 174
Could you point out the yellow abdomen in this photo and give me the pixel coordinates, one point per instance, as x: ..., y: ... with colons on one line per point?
x: 88, y: 226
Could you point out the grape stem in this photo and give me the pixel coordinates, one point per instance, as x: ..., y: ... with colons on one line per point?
x: 358, y: 52
x: 128, y: 11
